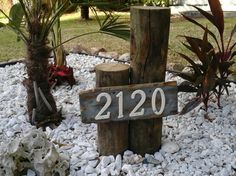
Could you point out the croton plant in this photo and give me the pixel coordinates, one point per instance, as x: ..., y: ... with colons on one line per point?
x: 212, y: 62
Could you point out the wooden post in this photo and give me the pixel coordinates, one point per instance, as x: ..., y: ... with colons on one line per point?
x: 149, y: 46
x: 112, y: 136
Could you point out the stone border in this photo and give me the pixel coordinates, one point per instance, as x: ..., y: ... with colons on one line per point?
x: 11, y: 62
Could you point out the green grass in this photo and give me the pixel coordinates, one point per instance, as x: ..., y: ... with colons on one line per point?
x: 183, y: 27
x: 72, y: 25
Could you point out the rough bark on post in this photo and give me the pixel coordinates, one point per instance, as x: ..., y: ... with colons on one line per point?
x: 149, y: 46
x: 112, y: 136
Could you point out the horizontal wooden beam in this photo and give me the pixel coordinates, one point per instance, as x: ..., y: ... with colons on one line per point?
x: 131, y: 102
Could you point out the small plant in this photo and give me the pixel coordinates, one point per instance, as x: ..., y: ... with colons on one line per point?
x: 162, y: 3
x: 38, y: 21
x: 210, y: 75
x: 59, y: 72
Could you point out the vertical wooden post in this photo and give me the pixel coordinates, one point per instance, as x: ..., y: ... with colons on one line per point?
x: 149, y: 46
x: 112, y: 136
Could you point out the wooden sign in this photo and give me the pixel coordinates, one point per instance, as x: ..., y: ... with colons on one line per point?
x: 119, y: 103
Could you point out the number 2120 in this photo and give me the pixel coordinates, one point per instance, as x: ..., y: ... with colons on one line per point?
x: 137, y: 111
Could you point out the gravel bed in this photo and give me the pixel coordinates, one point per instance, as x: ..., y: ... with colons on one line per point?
x: 195, y: 144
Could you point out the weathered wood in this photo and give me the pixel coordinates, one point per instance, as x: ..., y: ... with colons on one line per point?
x: 149, y: 45
x: 112, y: 74
x: 112, y: 136
x: 90, y: 107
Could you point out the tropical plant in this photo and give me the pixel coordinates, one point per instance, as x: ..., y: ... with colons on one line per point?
x: 211, y: 75
x: 39, y: 20
x: 162, y: 3
x: 59, y: 72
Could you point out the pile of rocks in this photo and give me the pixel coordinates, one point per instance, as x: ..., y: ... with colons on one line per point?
x: 100, y: 52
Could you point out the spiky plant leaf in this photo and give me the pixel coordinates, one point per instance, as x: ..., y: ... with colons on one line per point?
x: 195, y: 47
x: 194, y: 65
x: 187, y: 76
x: 14, y: 28
x: 218, y: 15
x: 226, y: 65
x: 232, y: 55
x: 209, y: 81
x: 112, y: 26
x: 52, y: 17
x: 203, y: 27
x: 232, y: 47
x: 186, y: 86
x: 16, y: 15
x: 233, y: 31
x: 192, y: 104
x: 209, y: 16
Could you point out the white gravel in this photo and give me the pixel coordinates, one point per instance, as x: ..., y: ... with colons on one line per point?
x: 195, y: 144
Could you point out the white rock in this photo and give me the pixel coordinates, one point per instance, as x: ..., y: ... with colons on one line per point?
x: 105, y: 172
x: 106, y: 160
x: 111, y: 54
x: 233, y: 164
x: 89, y: 169
x: 93, y: 163
x: 217, y: 142
x: 124, y: 57
x: 128, y: 170
x: 151, y: 160
x: 118, y: 163
x: 91, y: 155
x: 200, y: 120
x: 207, y: 142
x: 159, y: 156
x: 170, y: 147
x: 111, y: 167
x: 133, y: 159
x: 128, y: 152
x: 30, y: 173
x: 93, y: 174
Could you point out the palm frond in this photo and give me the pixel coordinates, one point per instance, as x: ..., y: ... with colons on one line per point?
x: 11, y: 25
x: 55, y: 15
x: 112, y: 26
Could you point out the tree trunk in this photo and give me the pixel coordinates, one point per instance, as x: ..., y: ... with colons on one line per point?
x: 41, y: 105
x: 149, y: 45
x: 84, y: 12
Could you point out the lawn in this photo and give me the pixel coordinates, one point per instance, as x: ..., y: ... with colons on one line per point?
x: 72, y: 25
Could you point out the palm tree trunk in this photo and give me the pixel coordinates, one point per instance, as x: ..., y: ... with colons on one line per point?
x: 84, y: 12
x: 41, y: 105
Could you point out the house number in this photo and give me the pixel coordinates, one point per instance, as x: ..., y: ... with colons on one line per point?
x: 137, y: 110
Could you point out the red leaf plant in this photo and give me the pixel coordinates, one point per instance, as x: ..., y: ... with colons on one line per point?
x: 210, y: 76
x: 61, y: 74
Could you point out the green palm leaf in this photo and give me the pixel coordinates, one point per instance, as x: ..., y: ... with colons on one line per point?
x: 112, y: 26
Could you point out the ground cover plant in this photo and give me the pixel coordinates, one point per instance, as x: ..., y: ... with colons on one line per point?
x: 210, y: 74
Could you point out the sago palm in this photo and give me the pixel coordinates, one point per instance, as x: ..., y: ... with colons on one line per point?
x: 38, y: 20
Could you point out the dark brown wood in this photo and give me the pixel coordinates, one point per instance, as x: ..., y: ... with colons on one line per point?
x: 149, y: 45
x: 112, y: 136
x: 90, y: 107
x: 84, y: 12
